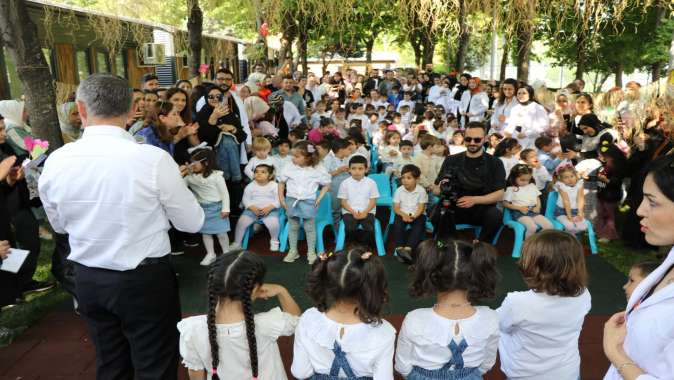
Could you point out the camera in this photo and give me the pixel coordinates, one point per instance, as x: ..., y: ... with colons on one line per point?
x: 449, y: 187
x: 442, y: 216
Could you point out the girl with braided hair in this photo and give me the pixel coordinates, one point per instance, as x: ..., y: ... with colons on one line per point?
x: 230, y: 341
x: 344, y: 335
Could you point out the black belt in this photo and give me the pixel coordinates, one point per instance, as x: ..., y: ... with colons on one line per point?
x: 155, y: 260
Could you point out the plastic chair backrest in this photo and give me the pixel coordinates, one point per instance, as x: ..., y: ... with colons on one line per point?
x: 383, y: 184
x: 551, y: 205
x: 324, y: 212
x: 507, y: 216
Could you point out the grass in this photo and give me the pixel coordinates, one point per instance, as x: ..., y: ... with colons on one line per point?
x: 16, y: 320
x: 622, y: 258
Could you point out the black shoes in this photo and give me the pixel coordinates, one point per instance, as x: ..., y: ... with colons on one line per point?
x: 404, y: 255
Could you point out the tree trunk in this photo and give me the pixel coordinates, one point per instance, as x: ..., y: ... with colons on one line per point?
x: 524, y: 39
x: 19, y: 35
x: 581, y: 47
x: 429, y: 51
x: 603, y: 80
x: 416, y: 47
x: 302, y: 51
x: 618, y: 71
x: 195, y: 26
x: 369, y: 44
x: 660, y: 12
x: 504, y: 60
x: 464, y: 38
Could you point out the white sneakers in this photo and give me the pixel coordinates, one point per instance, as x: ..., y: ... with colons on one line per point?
x: 291, y: 256
x: 274, y: 245
x: 311, y: 258
x: 208, y: 259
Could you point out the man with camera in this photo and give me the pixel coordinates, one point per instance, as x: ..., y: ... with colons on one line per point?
x: 469, y: 185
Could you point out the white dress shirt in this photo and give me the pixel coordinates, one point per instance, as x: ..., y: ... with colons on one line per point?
x: 539, y: 335
x: 358, y: 193
x: 425, y: 336
x: 115, y: 198
x: 650, y: 331
x: 368, y: 348
x: 410, y: 200
x: 195, y: 348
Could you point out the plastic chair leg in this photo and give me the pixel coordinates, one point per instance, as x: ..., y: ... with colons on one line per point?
x: 283, y: 238
x: 246, y: 237
x: 498, y: 236
x: 320, y: 244
x: 519, y: 240
x: 379, y: 239
x: 592, y: 238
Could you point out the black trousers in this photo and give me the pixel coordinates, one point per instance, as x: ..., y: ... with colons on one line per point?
x: 27, y: 234
x: 410, y: 238
x: 62, y: 268
x: 364, y: 237
x: 131, y: 317
x: 487, y: 216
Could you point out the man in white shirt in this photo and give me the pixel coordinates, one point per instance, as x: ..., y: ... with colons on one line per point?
x: 115, y: 199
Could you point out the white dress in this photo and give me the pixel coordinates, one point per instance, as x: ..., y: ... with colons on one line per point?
x: 195, y: 348
x: 425, y: 335
x: 368, y: 348
x: 533, y: 119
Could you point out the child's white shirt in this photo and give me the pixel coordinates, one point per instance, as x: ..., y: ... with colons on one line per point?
x: 539, y: 335
x: 261, y: 196
x: 541, y: 177
x: 385, y: 153
x: 410, y: 200
x: 302, y: 182
x: 195, y: 348
x: 254, y: 161
x: 211, y: 189
x: 358, y: 193
x: 281, y: 162
x: 378, y: 137
x: 526, y: 196
x: 425, y: 336
x: 369, y: 348
x: 509, y: 163
x: 571, y: 192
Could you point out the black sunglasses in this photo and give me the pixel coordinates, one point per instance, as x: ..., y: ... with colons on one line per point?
x: 476, y: 140
x: 215, y: 97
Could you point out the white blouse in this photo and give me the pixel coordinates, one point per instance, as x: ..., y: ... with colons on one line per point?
x: 261, y: 196
x: 425, y: 336
x: 368, y: 348
x: 571, y: 192
x: 209, y: 189
x: 302, y: 182
x: 539, y: 335
x: 650, y: 328
x: 533, y: 119
x: 505, y: 110
x: 195, y: 348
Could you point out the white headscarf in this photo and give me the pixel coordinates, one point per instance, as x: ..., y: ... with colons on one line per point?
x: 12, y: 111
x: 64, y: 121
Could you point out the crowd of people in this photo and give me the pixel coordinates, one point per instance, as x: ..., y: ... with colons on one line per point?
x: 191, y: 158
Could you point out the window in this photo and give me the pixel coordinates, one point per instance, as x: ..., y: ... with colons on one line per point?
x: 83, y: 66
x: 102, y: 63
x: 120, y: 68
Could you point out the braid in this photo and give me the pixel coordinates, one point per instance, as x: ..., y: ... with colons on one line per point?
x: 247, y: 289
x: 212, y: 333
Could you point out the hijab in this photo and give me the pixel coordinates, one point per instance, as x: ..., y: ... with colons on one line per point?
x: 67, y: 129
x: 12, y: 111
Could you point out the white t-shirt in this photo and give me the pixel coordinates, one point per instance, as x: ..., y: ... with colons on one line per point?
x: 261, y: 196
x: 249, y: 170
x: 195, y: 348
x: 539, y: 335
x: 302, y: 182
x: 509, y: 163
x: 425, y: 336
x: 409, y: 200
x: 522, y: 196
x: 571, y: 191
x: 369, y: 348
x: 358, y: 193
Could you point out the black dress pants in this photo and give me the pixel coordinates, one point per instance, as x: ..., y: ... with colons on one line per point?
x: 131, y: 317
x: 487, y: 216
x: 365, y: 236
x: 412, y: 237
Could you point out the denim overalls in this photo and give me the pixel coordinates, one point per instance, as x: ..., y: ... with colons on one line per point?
x: 339, y: 362
x: 446, y: 372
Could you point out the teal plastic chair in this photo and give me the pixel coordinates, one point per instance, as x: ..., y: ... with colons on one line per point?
x: 374, y: 159
x: 251, y: 230
x: 386, y: 187
x: 550, y: 214
x: 519, y: 230
x: 378, y: 237
x: 323, y: 220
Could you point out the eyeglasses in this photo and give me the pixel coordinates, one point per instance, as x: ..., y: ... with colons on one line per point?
x: 476, y: 140
x: 215, y: 97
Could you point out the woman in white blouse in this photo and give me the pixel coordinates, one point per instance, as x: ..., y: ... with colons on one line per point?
x: 528, y: 119
x: 474, y: 102
x: 504, y: 105
x: 639, y: 342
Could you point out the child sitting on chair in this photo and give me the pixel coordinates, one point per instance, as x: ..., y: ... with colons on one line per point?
x: 260, y: 198
x: 409, y: 203
x: 358, y: 195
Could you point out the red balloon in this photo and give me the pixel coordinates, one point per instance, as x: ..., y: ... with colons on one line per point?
x: 264, y: 29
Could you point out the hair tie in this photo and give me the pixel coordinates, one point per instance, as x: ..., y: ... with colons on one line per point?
x: 203, y: 145
x: 562, y: 167
x: 366, y: 255
x: 440, y: 244
x: 215, y: 371
x: 310, y: 148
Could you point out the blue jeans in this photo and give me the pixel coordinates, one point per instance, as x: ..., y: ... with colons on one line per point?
x: 227, y: 156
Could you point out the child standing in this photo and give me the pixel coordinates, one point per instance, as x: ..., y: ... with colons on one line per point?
x: 521, y: 197
x: 540, y: 327
x: 358, y: 195
x: 282, y: 156
x: 390, y: 150
x: 345, y: 334
x: 409, y: 203
x: 405, y: 158
x: 261, y: 203
x: 302, y: 178
x: 208, y: 186
x: 571, y: 199
x: 508, y: 150
x: 230, y: 340
x: 261, y: 150
x: 453, y: 339
x: 425, y: 162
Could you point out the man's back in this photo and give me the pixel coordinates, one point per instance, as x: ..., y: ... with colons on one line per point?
x: 114, y: 198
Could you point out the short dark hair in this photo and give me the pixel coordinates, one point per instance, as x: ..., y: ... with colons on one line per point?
x: 339, y: 144
x: 477, y: 124
x: 525, y: 152
x: 358, y: 159
x: 553, y: 263
x: 455, y: 265
x: 298, y: 133
x: 148, y: 77
x: 542, y: 142
x: 269, y: 168
x: 427, y: 141
x: 406, y: 143
x: 281, y: 142
x: 325, y: 144
x: 224, y: 70
x: 412, y: 169
x: 646, y: 267
x: 325, y: 121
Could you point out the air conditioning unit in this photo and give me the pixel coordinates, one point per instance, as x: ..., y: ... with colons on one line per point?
x: 152, y: 54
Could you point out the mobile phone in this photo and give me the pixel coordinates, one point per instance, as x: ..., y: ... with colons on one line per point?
x: 518, y: 129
